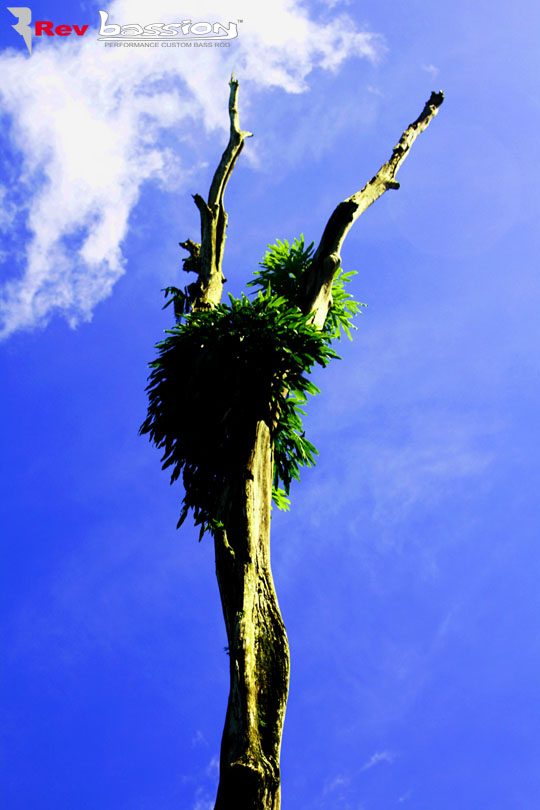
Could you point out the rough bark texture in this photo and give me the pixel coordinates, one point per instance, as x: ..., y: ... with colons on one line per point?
x: 258, y: 648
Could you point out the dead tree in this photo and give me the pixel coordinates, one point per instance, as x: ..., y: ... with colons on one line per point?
x: 220, y: 394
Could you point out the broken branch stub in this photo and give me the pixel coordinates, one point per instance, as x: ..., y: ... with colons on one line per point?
x: 317, y: 286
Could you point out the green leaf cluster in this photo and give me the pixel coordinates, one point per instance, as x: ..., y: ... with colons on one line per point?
x: 220, y: 371
x: 282, y: 271
x: 179, y: 298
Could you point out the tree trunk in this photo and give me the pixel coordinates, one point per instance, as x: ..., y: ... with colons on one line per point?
x: 258, y: 647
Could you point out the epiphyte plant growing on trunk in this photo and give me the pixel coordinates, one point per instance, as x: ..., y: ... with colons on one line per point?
x: 226, y: 397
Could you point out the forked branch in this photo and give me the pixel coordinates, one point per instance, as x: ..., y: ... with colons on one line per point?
x: 327, y: 258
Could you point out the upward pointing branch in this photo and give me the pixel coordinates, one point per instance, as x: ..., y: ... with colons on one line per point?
x: 327, y: 259
x: 231, y: 153
x: 207, y: 291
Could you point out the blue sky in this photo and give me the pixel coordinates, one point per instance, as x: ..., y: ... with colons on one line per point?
x: 407, y: 568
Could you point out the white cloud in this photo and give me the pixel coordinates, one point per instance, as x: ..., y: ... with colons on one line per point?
x: 8, y: 211
x: 378, y: 756
x: 212, y: 769
x: 424, y: 469
x: 87, y: 122
x: 199, y: 739
x: 337, y: 783
x: 391, y: 476
x: 432, y: 70
x: 203, y: 801
x: 334, y: 3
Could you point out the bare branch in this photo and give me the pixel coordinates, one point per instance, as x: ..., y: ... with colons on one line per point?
x: 207, y: 293
x: 231, y: 153
x: 327, y: 259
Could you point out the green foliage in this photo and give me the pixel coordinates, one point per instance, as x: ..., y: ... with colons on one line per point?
x: 282, y: 268
x: 222, y: 370
x: 179, y: 298
x: 343, y: 307
x: 281, y: 272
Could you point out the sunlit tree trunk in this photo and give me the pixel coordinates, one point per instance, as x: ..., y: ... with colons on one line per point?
x: 258, y: 647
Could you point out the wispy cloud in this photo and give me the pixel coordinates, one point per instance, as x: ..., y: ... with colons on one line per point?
x: 204, y: 797
x: 89, y: 126
x: 334, y: 3
x: 7, y: 211
x: 377, y: 758
x: 212, y: 769
x: 203, y: 801
x: 198, y: 739
x: 337, y: 783
x: 439, y: 455
x: 405, y: 797
x: 432, y: 70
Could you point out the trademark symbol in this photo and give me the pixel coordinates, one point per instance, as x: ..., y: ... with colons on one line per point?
x: 240, y: 21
